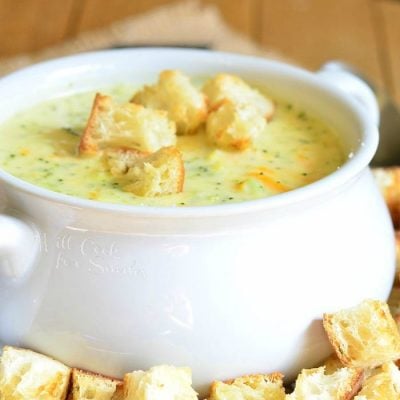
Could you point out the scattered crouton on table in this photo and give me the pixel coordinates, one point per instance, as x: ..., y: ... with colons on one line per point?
x: 249, y: 387
x: 314, y: 384
x: 26, y: 375
x: 89, y: 386
x: 364, y: 336
x: 161, y: 382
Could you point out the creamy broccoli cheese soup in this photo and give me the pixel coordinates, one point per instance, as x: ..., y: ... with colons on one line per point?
x: 39, y: 145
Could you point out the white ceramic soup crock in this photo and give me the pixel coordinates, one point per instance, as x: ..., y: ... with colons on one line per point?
x: 227, y: 289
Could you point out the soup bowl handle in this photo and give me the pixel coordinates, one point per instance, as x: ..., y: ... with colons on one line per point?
x: 349, y: 82
x: 19, y: 245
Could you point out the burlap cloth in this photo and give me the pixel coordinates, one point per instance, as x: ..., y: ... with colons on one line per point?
x: 183, y: 23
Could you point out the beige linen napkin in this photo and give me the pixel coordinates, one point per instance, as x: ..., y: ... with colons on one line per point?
x: 193, y: 24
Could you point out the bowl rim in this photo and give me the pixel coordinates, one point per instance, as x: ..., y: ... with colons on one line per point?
x: 349, y: 170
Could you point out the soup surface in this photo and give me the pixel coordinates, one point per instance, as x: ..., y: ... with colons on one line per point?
x: 39, y: 145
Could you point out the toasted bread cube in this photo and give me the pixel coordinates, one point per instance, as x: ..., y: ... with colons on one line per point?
x: 249, y: 387
x: 385, y: 384
x: 129, y: 125
x: 314, y: 384
x: 148, y: 175
x: 364, y: 336
x: 89, y: 386
x: 388, y: 180
x: 160, y: 382
x: 232, y: 88
x: 175, y: 94
x: 332, y: 364
x: 26, y: 375
x: 234, y: 126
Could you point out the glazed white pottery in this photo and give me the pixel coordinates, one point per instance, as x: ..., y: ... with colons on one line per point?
x: 228, y: 289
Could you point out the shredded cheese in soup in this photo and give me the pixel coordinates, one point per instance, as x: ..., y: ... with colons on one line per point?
x: 39, y: 145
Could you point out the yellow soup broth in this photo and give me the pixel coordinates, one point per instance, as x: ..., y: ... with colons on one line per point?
x: 40, y: 145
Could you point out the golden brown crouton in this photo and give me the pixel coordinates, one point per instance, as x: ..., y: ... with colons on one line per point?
x: 26, y: 375
x: 175, y: 94
x: 147, y: 175
x: 128, y: 125
x: 234, y: 126
x: 332, y: 364
x: 232, y: 88
x: 364, y: 336
x: 314, y: 384
x: 382, y: 385
x: 89, y: 386
x: 388, y: 180
x: 161, y: 382
x: 249, y: 387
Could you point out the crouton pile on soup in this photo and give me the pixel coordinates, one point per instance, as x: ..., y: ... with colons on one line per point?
x: 179, y: 141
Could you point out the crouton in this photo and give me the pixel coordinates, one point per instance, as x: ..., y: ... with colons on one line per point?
x: 385, y: 384
x: 230, y: 87
x: 175, y: 94
x: 129, y: 125
x: 234, y: 126
x: 314, y: 384
x: 388, y: 180
x: 249, y: 387
x: 26, y: 375
x: 161, y: 382
x: 332, y: 364
x: 89, y: 386
x: 147, y: 175
x: 364, y: 336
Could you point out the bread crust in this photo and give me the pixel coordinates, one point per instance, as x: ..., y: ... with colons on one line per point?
x: 345, y: 383
x: 384, y: 383
x: 174, y: 93
x: 234, y: 126
x: 355, y: 384
x: 332, y: 364
x: 269, y: 386
x: 129, y: 125
x: 227, y: 87
x: 275, y: 377
x: 93, y: 386
x: 87, y: 144
x: 145, y: 174
x: 354, y: 353
x: 27, y: 375
x: 160, y: 382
